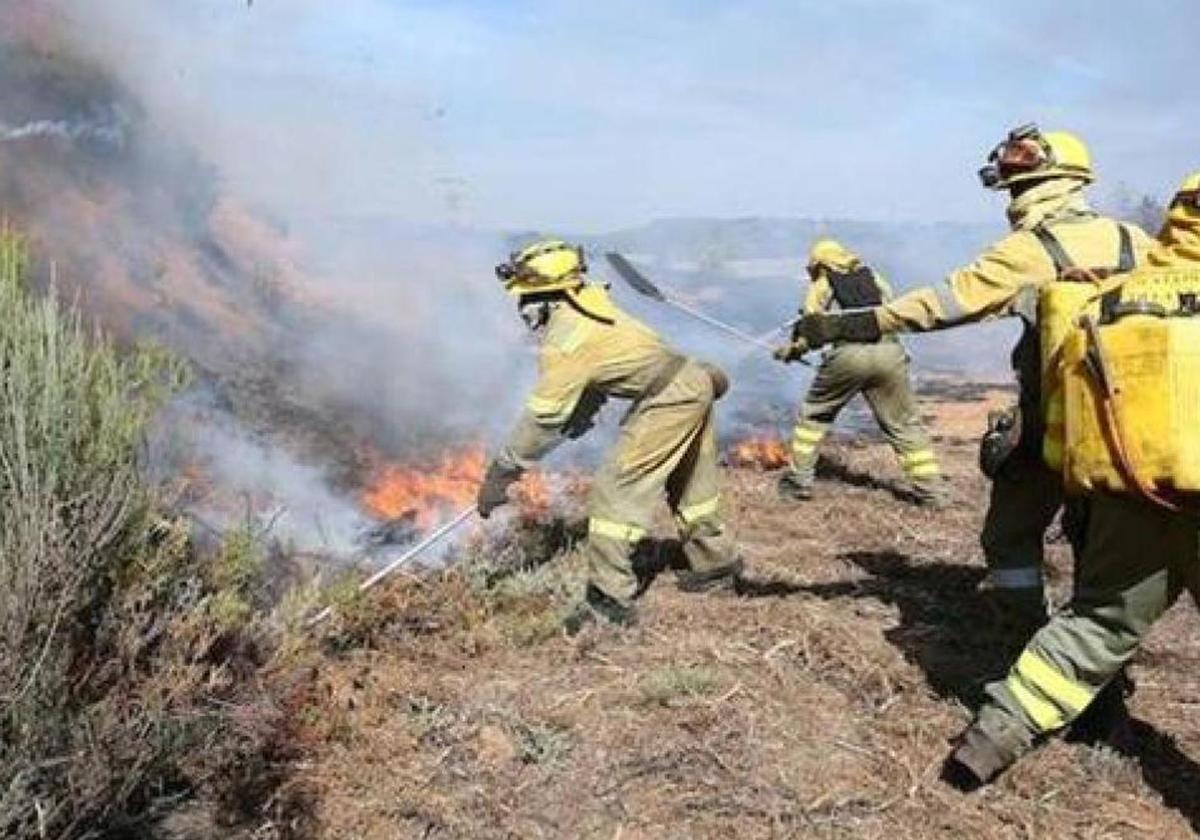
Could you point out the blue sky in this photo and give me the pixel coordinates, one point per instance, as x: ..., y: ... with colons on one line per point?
x: 577, y: 115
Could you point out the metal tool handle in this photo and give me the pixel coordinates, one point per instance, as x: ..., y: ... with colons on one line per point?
x: 413, y: 552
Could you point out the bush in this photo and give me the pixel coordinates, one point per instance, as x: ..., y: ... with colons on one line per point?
x: 120, y: 653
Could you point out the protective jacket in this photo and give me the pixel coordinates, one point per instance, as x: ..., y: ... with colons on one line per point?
x: 1005, y: 279
x: 587, y: 356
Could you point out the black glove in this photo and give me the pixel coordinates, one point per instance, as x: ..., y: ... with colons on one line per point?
x: 494, y: 491
x: 793, y: 352
x: 821, y: 328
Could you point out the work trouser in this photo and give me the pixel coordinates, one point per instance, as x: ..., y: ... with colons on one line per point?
x: 1136, y: 559
x: 1026, y: 495
x: 880, y: 373
x: 667, y: 444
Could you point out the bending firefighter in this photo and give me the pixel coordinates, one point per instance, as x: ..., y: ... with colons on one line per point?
x: 591, y: 351
x: 1054, y: 231
x: 1142, y: 547
x: 878, y: 371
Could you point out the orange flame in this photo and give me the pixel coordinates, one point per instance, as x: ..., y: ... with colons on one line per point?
x: 763, y: 452
x: 428, y: 493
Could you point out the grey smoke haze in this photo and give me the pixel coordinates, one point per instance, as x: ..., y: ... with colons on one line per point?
x: 396, y: 145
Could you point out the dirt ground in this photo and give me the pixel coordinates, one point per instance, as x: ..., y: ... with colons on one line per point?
x: 820, y: 706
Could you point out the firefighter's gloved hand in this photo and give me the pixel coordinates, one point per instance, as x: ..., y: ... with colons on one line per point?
x: 792, y: 352
x: 821, y: 328
x: 493, y: 493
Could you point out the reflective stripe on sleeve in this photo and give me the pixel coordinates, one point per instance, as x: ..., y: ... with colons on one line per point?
x: 615, y: 530
x: 1023, y: 577
x: 1053, y: 683
x: 702, y: 510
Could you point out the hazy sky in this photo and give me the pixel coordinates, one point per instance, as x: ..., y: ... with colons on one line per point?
x: 593, y: 115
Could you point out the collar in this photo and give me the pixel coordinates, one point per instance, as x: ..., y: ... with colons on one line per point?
x: 1053, y: 200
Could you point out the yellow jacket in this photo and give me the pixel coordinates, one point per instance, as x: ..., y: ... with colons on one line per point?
x: 1005, y: 278
x: 587, y: 355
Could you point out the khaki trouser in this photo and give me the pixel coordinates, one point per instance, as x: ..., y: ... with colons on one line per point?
x: 1136, y: 560
x: 880, y: 373
x: 667, y: 444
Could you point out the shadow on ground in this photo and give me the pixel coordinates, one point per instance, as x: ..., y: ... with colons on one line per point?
x: 950, y: 631
x: 832, y: 470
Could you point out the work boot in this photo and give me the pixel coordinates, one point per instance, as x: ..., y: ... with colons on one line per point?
x: 713, y: 580
x: 793, y: 488
x: 597, y: 606
x: 975, y: 761
x: 1106, y: 717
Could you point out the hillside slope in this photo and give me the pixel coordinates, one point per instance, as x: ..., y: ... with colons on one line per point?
x: 822, y: 707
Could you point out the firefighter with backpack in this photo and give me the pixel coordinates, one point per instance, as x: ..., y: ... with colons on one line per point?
x: 1129, y: 373
x: 1054, y: 229
x: 1110, y: 348
x: 840, y: 280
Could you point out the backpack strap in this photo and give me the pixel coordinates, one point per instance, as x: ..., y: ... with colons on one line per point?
x: 1058, y: 254
x: 1126, y: 261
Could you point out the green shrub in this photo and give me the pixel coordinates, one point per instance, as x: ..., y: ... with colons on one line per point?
x: 119, y: 650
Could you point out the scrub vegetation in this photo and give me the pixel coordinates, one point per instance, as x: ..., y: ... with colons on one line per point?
x: 128, y: 661
x: 153, y: 690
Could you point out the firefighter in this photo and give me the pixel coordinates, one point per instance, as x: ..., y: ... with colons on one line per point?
x: 1180, y: 234
x: 1137, y: 559
x: 591, y: 351
x: 878, y: 371
x: 1053, y: 230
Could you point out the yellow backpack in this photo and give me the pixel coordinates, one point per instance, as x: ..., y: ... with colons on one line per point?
x: 1121, y: 381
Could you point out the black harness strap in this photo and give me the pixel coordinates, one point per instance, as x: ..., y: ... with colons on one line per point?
x: 1058, y: 254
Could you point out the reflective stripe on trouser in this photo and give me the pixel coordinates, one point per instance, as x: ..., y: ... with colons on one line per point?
x: 1135, y: 562
x: 880, y: 373
x: 667, y: 444
x: 806, y: 438
x: 920, y: 465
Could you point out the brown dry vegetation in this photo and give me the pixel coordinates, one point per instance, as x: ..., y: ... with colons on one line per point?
x: 452, y: 707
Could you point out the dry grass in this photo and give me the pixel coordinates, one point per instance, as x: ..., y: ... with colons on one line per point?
x: 821, y: 708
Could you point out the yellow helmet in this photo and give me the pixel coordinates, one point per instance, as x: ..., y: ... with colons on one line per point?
x: 1028, y: 154
x: 548, y: 265
x: 829, y: 253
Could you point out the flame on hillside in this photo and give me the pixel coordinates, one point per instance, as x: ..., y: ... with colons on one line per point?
x: 428, y: 493
x: 764, y: 452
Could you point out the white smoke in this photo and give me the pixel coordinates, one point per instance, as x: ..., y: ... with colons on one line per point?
x: 111, y: 131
